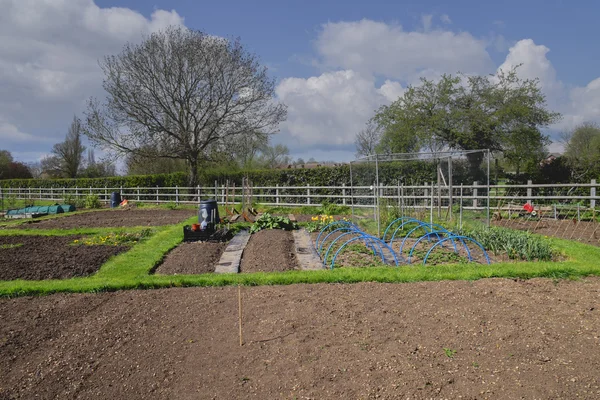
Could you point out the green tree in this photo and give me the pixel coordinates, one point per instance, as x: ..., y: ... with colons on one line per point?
x: 181, y: 91
x: 582, y: 151
x: 463, y: 112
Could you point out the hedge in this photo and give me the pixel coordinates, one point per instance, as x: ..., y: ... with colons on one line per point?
x: 390, y: 173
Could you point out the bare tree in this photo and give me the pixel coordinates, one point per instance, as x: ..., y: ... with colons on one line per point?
x: 181, y: 91
x: 67, y: 156
x: 367, y: 139
x: 274, y: 156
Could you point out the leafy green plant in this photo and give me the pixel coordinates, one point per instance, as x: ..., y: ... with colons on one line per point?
x: 171, y: 205
x: 92, y: 201
x: 268, y: 221
x: 449, y: 352
x: 518, y: 245
x: 115, y: 239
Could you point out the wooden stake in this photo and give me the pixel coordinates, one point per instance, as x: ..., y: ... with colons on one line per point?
x: 240, y: 313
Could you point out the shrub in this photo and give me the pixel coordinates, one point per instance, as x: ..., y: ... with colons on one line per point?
x: 92, y: 201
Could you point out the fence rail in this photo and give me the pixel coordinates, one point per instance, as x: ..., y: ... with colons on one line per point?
x: 475, y: 196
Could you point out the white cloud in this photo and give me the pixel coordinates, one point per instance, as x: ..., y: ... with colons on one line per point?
x: 49, y: 52
x: 330, y: 109
x: 535, y: 64
x: 445, y: 19
x: 370, y: 47
x: 584, y: 105
x: 577, y: 104
x: 426, y: 21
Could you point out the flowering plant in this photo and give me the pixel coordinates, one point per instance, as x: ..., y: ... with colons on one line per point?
x: 318, y: 222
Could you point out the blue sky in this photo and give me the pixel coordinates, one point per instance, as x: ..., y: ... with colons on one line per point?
x: 334, y: 61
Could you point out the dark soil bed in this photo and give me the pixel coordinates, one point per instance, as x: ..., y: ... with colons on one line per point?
x: 192, y: 258
x: 114, y: 218
x: 582, y: 231
x: 488, y: 339
x: 269, y: 250
x: 45, y: 257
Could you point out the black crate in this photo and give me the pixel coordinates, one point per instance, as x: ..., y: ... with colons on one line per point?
x: 220, y: 235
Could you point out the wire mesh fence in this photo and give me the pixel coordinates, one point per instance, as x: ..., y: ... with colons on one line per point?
x: 427, y: 186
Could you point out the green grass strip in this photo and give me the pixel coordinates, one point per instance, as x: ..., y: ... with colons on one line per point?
x: 130, y: 270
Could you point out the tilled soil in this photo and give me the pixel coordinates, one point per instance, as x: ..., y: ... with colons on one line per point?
x: 582, y: 231
x: 192, y: 258
x: 114, y: 218
x: 488, y: 339
x: 44, y: 257
x: 269, y: 250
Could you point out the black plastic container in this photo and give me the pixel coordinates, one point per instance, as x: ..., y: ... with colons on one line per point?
x: 115, y: 199
x: 208, y: 215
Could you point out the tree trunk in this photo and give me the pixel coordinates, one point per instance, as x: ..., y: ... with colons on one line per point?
x: 475, y: 171
x: 193, y: 172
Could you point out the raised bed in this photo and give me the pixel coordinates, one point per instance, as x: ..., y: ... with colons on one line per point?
x: 114, y: 218
x: 192, y: 258
x: 50, y: 257
x: 269, y: 250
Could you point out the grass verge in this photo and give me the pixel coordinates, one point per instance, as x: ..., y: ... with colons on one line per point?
x: 131, y: 270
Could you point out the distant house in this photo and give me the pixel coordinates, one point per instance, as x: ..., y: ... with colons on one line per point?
x: 549, y: 159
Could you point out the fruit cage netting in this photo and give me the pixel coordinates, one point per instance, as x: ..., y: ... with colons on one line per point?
x: 436, y: 186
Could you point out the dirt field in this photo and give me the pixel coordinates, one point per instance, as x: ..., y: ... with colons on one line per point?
x: 192, y: 258
x: 489, y: 339
x: 41, y: 257
x: 114, y: 218
x: 269, y: 250
x: 582, y: 231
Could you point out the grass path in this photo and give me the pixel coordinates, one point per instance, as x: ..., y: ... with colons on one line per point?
x: 131, y: 270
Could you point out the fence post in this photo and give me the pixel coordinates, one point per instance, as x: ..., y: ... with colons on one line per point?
x: 177, y: 194
x: 138, y: 193
x: 431, y: 209
x: 593, y: 194
x: 216, y: 188
x: 156, y: 194
x: 529, y: 191
x: 475, y: 195
x: 198, y: 189
x: 308, y: 194
x: 277, y: 194
x: 343, y: 193
x: 222, y: 194
x: 105, y: 193
x: 76, y: 194
x: 460, y: 209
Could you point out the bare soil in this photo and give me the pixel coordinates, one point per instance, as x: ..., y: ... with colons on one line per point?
x: 43, y: 257
x: 582, y: 231
x: 192, y: 258
x: 269, y: 250
x: 114, y: 218
x: 488, y: 339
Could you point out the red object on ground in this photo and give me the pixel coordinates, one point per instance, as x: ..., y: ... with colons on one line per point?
x: 528, y: 207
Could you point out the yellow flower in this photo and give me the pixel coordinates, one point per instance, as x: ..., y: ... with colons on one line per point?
x: 75, y: 241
